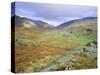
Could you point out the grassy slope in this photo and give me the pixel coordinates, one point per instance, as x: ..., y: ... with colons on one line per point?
x: 37, y: 49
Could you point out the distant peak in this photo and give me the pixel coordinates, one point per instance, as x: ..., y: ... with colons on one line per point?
x: 90, y: 18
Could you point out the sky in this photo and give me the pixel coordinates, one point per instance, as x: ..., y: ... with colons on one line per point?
x: 54, y: 14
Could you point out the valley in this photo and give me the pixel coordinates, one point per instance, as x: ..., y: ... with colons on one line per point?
x: 41, y: 47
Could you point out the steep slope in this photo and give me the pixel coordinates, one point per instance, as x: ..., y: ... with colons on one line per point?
x: 86, y: 25
x: 76, y: 21
x: 28, y: 23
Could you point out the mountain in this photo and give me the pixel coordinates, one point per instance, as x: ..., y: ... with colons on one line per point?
x: 72, y: 22
x: 25, y: 22
x: 89, y: 18
x: 86, y: 25
x: 17, y: 21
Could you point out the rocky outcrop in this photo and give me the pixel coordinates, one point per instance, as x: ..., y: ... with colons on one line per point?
x: 76, y: 59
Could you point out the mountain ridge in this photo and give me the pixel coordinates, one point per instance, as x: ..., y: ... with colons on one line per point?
x: 65, y: 24
x: 23, y: 21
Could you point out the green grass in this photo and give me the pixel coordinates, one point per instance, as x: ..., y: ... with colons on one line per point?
x: 81, y: 38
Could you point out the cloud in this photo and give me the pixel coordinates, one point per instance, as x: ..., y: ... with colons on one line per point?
x: 54, y: 14
x: 54, y: 23
x: 23, y: 12
x: 59, y: 20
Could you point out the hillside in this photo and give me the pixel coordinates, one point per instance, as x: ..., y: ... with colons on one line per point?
x: 28, y: 23
x: 42, y: 47
x: 69, y: 23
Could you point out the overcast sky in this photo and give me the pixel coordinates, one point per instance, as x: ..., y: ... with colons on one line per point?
x: 54, y: 14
